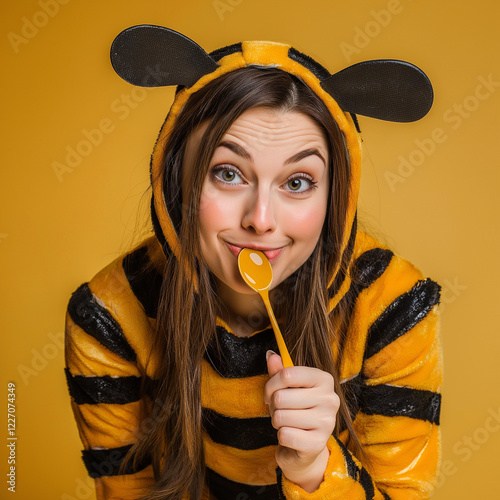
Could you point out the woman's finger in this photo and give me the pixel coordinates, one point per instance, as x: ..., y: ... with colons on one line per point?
x: 305, y: 443
x: 298, y: 399
x: 297, y: 377
x: 274, y: 363
x: 315, y: 419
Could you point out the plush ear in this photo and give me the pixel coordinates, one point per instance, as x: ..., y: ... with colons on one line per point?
x: 154, y: 56
x: 386, y: 89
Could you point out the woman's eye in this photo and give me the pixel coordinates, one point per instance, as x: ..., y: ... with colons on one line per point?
x: 299, y: 185
x: 227, y: 175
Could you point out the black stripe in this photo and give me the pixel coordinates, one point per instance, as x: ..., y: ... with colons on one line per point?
x: 389, y: 400
x: 367, y: 484
x: 367, y: 268
x: 241, y: 433
x: 402, y: 315
x: 279, y: 477
x: 357, y: 473
x: 239, y: 357
x: 175, y: 219
x: 222, y: 487
x: 356, y: 122
x: 392, y: 401
x: 218, y: 54
x: 157, y: 227
x: 352, y: 391
x: 309, y: 63
x: 146, y: 285
x: 98, y: 322
x: 346, y: 257
x: 107, y: 462
x: 106, y: 389
x: 386, y: 496
x: 351, y: 466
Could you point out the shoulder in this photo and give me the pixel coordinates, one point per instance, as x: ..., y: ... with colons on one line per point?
x: 118, y: 305
x: 375, y: 267
x: 392, y: 301
x: 134, y: 275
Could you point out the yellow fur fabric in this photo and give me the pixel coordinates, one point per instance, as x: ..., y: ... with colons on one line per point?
x: 397, y: 423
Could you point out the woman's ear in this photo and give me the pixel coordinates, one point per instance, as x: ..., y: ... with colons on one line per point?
x: 155, y: 56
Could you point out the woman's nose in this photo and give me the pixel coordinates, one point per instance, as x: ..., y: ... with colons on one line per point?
x: 259, y: 215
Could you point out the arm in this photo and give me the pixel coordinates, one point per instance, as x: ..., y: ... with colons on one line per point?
x: 395, y: 327
x: 104, y: 380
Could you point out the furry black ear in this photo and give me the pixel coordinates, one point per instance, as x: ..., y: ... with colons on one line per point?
x: 386, y: 89
x: 154, y: 56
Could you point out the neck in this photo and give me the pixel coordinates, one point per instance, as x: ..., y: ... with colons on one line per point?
x: 244, y: 313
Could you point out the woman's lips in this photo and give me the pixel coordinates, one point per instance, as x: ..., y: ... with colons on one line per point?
x: 271, y: 253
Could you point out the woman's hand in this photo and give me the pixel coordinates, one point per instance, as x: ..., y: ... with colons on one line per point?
x: 303, y: 407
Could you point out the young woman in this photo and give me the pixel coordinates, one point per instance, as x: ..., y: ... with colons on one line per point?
x: 176, y: 382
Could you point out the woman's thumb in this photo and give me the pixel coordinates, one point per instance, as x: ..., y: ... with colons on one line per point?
x: 274, y: 363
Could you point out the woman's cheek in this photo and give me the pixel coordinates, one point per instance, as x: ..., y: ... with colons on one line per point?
x: 216, y: 210
x: 306, y: 223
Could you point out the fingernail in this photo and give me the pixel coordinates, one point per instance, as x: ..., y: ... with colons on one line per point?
x: 269, y: 354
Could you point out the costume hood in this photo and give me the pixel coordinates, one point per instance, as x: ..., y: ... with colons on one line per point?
x: 153, y: 56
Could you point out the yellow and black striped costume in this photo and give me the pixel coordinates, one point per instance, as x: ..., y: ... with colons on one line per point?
x: 390, y: 366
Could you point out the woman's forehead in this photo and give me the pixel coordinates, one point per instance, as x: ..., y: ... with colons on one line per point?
x: 261, y: 131
x: 261, y: 128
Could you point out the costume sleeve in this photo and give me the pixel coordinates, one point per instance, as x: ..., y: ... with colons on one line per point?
x: 103, y: 376
x: 397, y: 386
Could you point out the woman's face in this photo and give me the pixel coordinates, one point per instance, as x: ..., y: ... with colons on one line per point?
x: 266, y: 188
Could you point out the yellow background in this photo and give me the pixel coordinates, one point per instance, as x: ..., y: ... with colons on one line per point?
x: 55, y: 233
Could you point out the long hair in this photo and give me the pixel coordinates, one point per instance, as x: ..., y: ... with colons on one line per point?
x: 188, y: 307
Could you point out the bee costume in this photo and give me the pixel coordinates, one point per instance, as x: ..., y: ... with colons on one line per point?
x: 391, y: 363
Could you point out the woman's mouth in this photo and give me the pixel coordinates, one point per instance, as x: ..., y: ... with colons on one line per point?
x: 271, y: 253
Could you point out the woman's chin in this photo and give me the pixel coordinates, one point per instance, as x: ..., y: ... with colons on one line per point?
x: 235, y: 284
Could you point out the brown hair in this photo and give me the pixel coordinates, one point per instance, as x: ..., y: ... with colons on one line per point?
x: 187, y: 316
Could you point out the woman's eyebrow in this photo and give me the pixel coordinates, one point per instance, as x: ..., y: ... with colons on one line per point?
x: 304, y: 154
x: 236, y: 149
